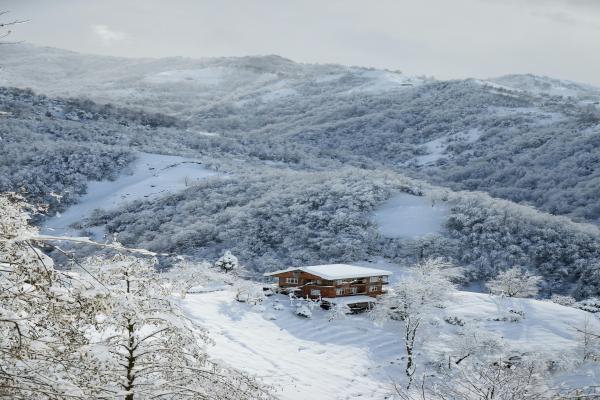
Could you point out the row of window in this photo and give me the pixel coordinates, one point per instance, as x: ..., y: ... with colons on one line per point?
x: 340, y: 291
x: 294, y: 280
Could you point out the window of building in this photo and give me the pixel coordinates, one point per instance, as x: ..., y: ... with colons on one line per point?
x: 315, y: 292
x: 375, y: 279
x: 354, y: 290
x: 338, y: 282
x: 339, y: 291
x: 293, y: 281
x: 373, y: 288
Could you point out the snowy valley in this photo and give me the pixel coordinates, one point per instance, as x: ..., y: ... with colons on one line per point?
x: 225, y: 169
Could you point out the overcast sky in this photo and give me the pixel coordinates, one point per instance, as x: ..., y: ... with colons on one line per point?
x: 443, y: 38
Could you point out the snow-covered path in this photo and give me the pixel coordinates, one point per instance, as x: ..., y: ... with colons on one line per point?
x: 151, y: 175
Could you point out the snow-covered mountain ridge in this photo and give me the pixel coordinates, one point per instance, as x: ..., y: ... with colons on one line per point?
x: 313, y: 154
x: 517, y: 137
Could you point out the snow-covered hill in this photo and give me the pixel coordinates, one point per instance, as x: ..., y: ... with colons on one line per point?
x: 501, y: 135
x: 149, y: 177
x: 180, y: 85
x: 315, y: 150
x: 545, y: 85
x: 354, y: 358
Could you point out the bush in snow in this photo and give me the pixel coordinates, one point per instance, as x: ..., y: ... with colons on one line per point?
x: 186, y: 277
x: 303, y: 311
x: 278, y: 307
x: 590, y: 305
x: 248, y: 292
x: 567, y: 301
x: 338, y: 311
x: 228, y: 262
x: 515, y: 282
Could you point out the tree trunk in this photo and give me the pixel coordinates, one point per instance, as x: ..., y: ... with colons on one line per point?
x: 130, y: 361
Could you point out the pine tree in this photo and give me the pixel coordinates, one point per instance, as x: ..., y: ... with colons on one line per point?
x: 228, y: 262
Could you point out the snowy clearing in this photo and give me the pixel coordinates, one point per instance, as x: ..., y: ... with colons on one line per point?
x: 409, y: 216
x: 205, y: 76
x: 352, y: 358
x: 151, y: 175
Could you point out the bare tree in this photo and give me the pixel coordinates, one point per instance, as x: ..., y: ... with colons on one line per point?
x: 484, y: 380
x: 6, y: 27
x: 412, y: 301
x: 590, y: 341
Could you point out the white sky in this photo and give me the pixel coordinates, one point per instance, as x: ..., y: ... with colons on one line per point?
x: 443, y: 38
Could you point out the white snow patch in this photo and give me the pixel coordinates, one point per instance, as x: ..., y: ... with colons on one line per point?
x: 205, y: 76
x: 152, y: 175
x: 409, y: 216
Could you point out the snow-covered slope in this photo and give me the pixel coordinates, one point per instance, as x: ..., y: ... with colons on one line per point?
x: 546, y: 85
x: 409, y: 216
x: 181, y: 85
x: 354, y: 358
x: 150, y: 176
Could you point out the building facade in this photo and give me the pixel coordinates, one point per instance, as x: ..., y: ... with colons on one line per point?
x: 332, y: 281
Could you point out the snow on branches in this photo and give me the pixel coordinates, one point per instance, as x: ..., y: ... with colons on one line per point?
x: 42, y: 316
x: 228, y: 262
x: 413, y: 300
x: 111, y: 331
x: 515, y: 282
x: 152, y: 348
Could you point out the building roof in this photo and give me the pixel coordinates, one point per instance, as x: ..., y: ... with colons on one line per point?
x: 335, y: 271
x: 349, y: 299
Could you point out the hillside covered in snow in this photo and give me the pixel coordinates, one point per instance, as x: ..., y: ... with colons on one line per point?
x: 465, y: 189
x: 528, y: 139
x: 305, y: 157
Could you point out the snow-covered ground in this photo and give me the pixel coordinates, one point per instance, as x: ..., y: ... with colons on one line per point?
x: 150, y: 176
x: 354, y: 358
x: 409, y: 216
x: 204, y: 76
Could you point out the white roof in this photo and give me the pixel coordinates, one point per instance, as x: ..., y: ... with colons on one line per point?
x: 349, y: 299
x: 336, y: 271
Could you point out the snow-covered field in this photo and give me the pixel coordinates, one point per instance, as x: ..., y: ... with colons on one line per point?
x: 409, y: 216
x: 355, y: 358
x: 150, y: 176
